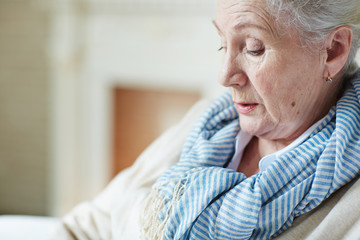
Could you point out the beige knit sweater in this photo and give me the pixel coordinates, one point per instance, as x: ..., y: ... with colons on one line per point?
x: 115, y: 213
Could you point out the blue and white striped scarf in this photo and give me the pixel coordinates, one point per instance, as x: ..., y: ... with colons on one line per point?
x: 200, y: 199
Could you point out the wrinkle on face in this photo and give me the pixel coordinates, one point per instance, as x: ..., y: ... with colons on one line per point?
x: 242, y: 9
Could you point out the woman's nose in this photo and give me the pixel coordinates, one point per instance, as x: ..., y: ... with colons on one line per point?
x: 231, y: 72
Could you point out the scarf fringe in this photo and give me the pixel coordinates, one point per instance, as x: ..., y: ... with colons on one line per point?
x: 152, y: 226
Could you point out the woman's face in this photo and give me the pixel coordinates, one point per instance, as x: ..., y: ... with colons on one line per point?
x: 276, y: 84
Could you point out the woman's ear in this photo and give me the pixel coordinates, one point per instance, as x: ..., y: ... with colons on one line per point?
x: 337, y: 46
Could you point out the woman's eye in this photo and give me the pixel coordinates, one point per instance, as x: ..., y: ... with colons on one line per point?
x: 257, y: 52
x: 254, y: 47
x: 221, y: 48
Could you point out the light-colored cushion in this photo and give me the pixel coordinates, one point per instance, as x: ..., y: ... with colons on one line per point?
x: 20, y: 227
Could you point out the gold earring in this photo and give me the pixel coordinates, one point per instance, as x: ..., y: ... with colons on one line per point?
x: 329, y: 79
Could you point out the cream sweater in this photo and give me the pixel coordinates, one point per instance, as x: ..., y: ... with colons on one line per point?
x: 114, y: 214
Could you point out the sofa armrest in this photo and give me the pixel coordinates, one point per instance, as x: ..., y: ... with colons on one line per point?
x: 19, y: 227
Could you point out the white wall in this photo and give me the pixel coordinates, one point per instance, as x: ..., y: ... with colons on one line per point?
x: 95, y: 47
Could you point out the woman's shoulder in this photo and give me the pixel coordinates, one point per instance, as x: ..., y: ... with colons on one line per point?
x: 338, y: 217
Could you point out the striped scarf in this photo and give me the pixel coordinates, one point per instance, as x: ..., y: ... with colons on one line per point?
x: 200, y: 199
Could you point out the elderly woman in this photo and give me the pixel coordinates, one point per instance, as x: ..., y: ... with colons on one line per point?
x: 285, y: 138
x: 266, y: 159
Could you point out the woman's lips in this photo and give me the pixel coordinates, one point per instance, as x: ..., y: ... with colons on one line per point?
x: 244, y: 108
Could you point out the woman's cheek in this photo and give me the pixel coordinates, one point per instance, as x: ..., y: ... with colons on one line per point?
x: 265, y: 83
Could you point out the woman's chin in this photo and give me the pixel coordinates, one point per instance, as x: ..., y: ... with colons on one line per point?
x: 254, y: 127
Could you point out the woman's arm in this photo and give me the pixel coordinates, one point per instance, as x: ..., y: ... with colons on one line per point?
x: 113, y: 214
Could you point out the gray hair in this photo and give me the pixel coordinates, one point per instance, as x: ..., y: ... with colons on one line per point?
x: 316, y: 19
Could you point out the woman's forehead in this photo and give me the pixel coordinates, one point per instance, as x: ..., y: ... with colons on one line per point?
x: 245, y: 4
x: 232, y: 14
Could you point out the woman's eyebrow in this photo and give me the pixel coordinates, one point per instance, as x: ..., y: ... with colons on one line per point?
x: 241, y: 25
x: 266, y: 27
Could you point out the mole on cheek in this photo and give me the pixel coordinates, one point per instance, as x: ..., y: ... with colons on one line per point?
x: 293, y: 104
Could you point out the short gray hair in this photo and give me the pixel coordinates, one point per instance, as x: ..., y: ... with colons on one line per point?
x: 316, y: 19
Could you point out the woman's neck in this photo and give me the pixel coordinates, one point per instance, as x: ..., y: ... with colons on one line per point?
x: 256, y: 149
x: 249, y: 164
x: 267, y: 147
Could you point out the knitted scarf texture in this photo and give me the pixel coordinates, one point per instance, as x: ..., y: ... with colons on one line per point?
x: 198, y: 198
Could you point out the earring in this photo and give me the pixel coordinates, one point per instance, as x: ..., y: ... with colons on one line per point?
x: 329, y: 79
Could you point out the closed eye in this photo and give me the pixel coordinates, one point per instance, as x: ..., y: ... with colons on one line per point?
x: 255, y: 52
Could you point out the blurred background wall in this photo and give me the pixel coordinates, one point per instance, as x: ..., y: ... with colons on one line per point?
x: 64, y: 65
x: 24, y: 108
x: 71, y: 76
